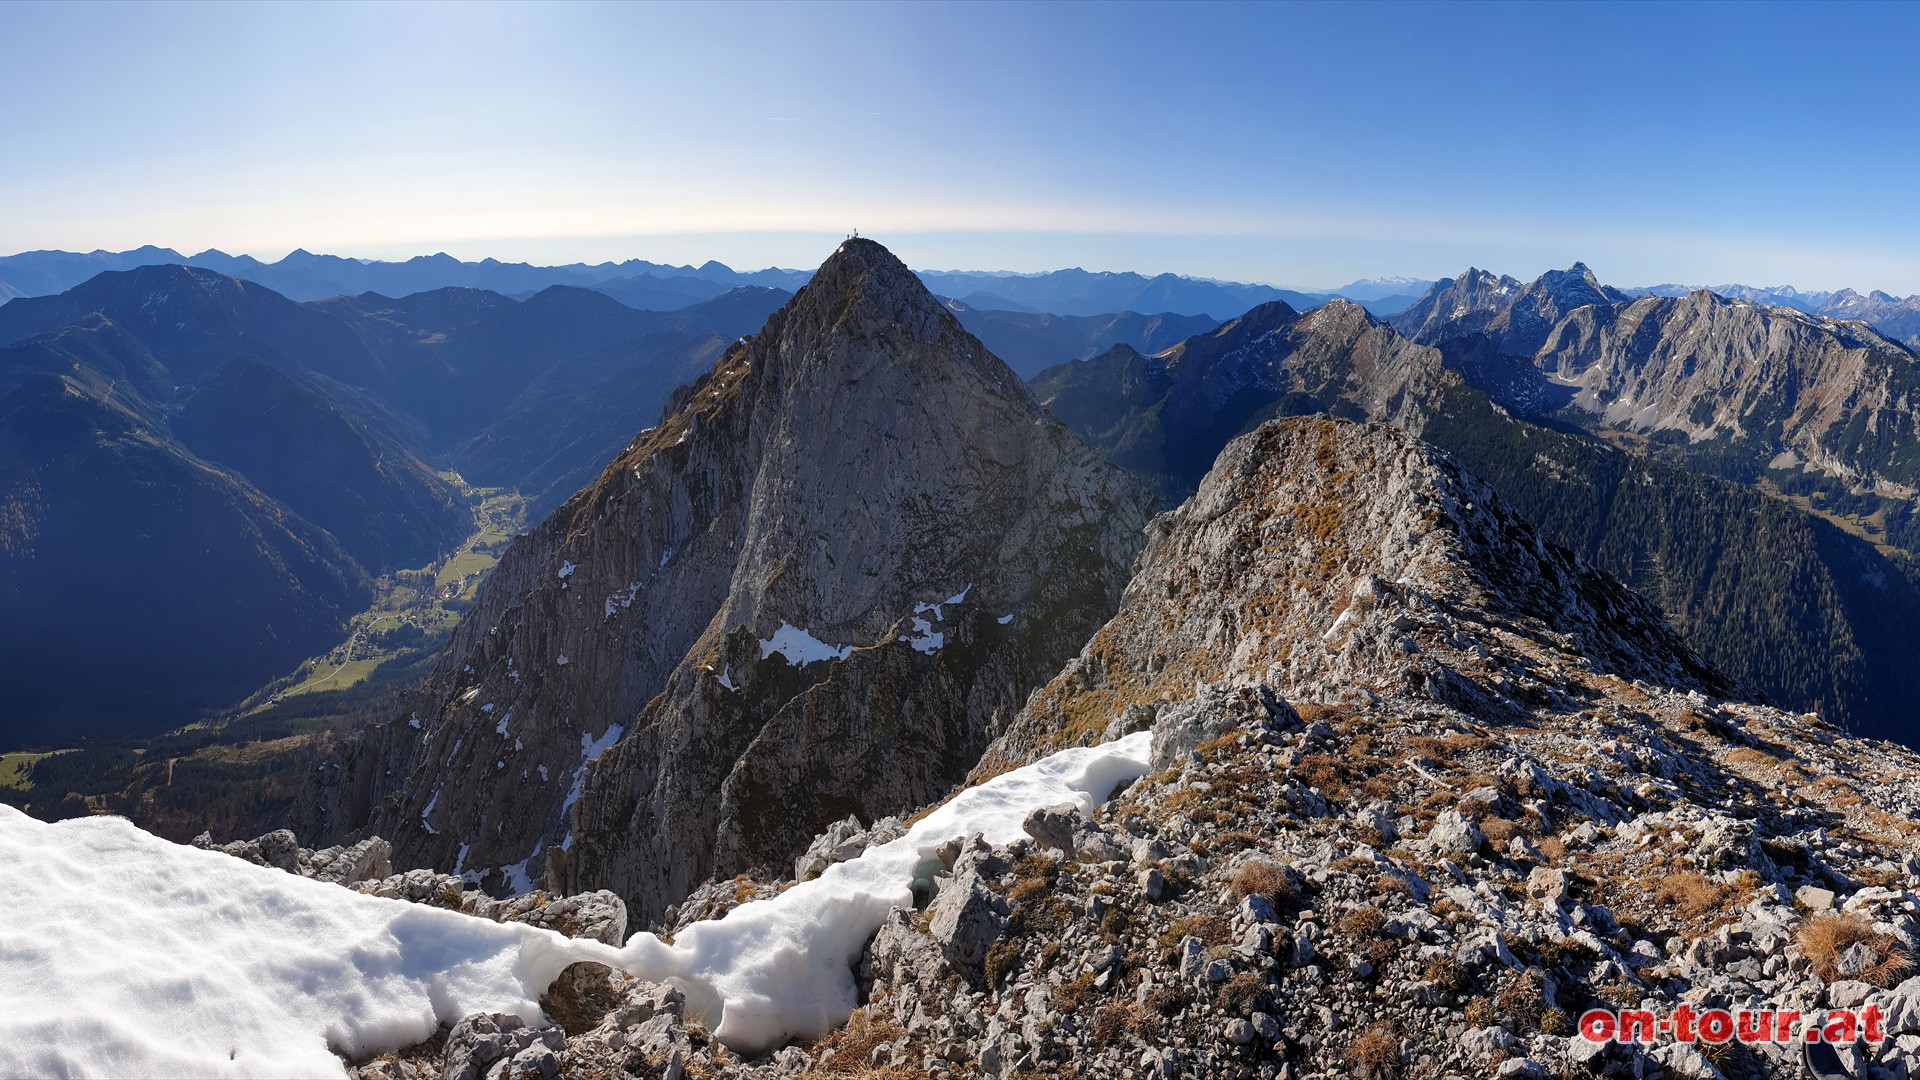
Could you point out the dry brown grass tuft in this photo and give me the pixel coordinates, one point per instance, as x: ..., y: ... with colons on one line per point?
x: 1363, y: 922
x: 1691, y: 894
x: 1500, y: 831
x: 1240, y: 994
x: 1374, y: 1054
x: 1447, y: 747
x: 1447, y: 974
x: 1746, y: 755
x: 854, y: 1042
x: 1824, y: 938
x: 1115, y: 1024
x: 1262, y: 877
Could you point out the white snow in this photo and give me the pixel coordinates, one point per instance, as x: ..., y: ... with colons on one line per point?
x: 725, y: 678
x: 518, y: 882
x: 431, y: 803
x: 801, y: 648
x: 566, y: 570
x: 1005, y: 619
x: 563, y: 660
x: 130, y: 955
x: 590, y: 748
x: 925, y: 638
x: 127, y: 955
x: 414, y: 721
x: 781, y: 968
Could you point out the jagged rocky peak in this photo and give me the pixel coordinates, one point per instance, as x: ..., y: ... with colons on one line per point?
x: 816, y: 588
x: 1338, y: 562
x: 1464, y: 304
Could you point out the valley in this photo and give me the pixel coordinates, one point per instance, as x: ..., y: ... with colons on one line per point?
x: 412, y: 611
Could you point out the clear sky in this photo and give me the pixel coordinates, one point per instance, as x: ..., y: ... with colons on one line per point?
x: 1301, y: 145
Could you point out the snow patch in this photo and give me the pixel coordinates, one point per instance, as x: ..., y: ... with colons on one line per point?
x: 781, y: 968
x: 590, y: 749
x: 566, y: 570
x: 431, y: 803
x: 160, y: 959
x: 1005, y: 619
x: 801, y: 648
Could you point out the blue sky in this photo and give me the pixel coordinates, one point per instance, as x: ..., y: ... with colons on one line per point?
x: 1301, y: 145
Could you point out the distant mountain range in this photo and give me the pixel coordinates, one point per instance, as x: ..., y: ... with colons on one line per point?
x: 1897, y: 317
x: 651, y: 286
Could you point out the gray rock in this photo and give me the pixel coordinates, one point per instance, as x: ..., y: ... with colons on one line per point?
x: 1219, y: 710
x: 1153, y: 884
x: 967, y: 918
x: 480, y: 1040
x: 369, y: 860
x: 1057, y: 826
x: 1453, y: 834
x: 1855, y: 960
x: 1814, y: 898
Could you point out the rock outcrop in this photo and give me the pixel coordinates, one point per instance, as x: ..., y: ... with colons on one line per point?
x: 817, y: 588
x: 1330, y: 561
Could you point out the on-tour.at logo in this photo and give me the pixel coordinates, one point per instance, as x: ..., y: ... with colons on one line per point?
x: 1838, y: 1044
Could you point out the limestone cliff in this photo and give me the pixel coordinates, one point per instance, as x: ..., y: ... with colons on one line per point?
x: 818, y: 587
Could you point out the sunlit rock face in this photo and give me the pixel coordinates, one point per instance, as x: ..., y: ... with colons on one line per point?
x: 817, y: 588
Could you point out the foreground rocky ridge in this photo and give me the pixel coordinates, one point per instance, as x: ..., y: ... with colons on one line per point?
x: 1425, y: 790
x: 818, y: 587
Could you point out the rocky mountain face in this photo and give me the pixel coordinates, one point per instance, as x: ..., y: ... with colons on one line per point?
x: 1308, y: 522
x: 108, y: 619
x: 817, y: 587
x: 1425, y: 789
x: 1466, y: 304
x: 1895, y: 316
x: 1430, y: 789
x: 1766, y: 386
x: 1166, y: 416
x: 1729, y: 386
x: 1783, y: 600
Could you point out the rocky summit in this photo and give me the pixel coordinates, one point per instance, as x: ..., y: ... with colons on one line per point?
x: 818, y: 587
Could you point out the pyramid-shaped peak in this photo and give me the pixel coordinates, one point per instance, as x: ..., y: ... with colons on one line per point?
x: 865, y: 281
x: 859, y: 256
